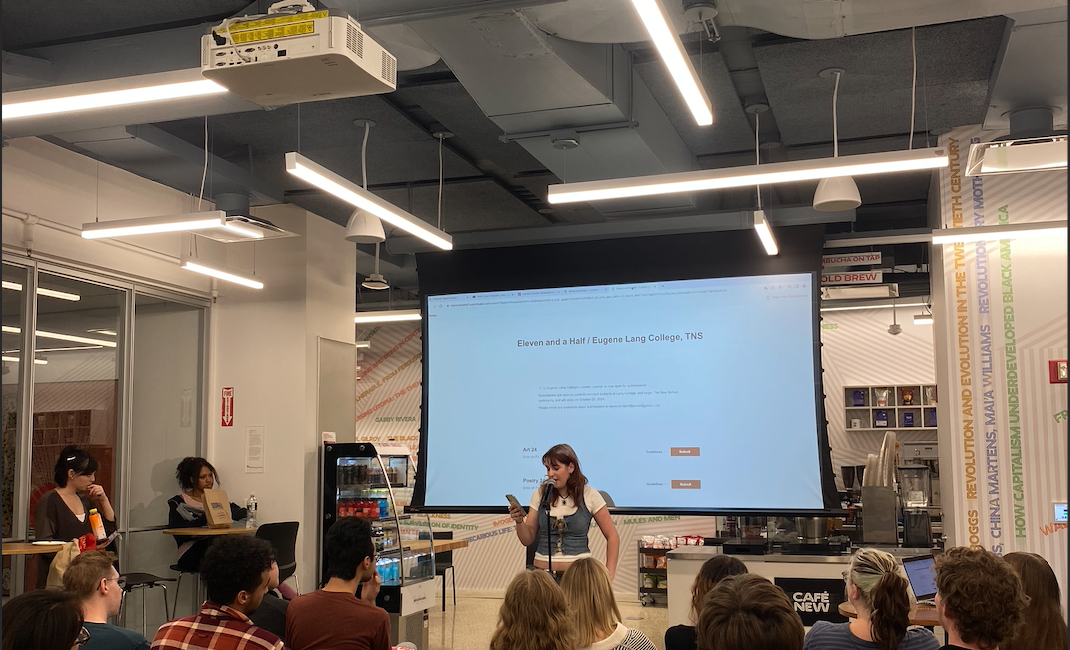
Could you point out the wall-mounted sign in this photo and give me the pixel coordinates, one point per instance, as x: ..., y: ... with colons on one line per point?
x: 814, y: 599
x: 227, y: 407
x: 853, y: 277
x: 849, y: 259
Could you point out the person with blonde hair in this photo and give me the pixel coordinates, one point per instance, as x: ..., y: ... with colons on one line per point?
x: 878, y: 591
x: 1044, y: 625
x: 595, y: 615
x: 93, y: 580
x: 713, y: 571
x: 533, y: 616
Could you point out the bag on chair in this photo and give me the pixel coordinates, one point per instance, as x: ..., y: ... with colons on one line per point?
x: 66, y: 554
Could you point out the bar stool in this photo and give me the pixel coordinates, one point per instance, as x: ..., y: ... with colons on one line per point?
x: 139, y: 581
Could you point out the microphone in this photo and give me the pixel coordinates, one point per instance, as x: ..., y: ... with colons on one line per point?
x: 547, y: 492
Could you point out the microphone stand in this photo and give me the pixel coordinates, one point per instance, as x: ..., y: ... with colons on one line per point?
x: 547, y: 499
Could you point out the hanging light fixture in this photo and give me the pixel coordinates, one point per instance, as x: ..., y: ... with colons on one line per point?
x: 363, y: 227
x: 761, y: 223
x: 838, y: 193
x: 925, y: 317
x: 387, y: 316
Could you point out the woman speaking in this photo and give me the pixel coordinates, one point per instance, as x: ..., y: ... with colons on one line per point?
x: 572, y: 504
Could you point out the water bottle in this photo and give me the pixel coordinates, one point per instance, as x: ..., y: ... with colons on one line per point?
x: 250, y: 512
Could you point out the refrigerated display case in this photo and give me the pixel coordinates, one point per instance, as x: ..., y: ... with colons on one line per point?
x: 375, y: 482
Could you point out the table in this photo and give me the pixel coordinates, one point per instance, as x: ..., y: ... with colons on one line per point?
x: 439, y: 546
x: 204, y: 531
x: 919, y: 614
x: 28, y: 548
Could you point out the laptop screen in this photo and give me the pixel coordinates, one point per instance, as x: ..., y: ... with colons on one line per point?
x: 921, y: 572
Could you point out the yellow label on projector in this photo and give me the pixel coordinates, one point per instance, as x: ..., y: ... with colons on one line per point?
x: 273, y: 32
x: 276, y: 21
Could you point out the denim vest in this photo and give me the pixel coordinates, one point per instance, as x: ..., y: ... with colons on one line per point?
x: 575, y: 539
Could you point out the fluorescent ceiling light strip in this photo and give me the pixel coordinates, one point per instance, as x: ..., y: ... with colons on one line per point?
x: 40, y: 362
x: 149, y: 225
x: 860, y: 307
x: 391, y: 316
x: 51, y: 293
x: 112, y: 98
x: 765, y: 233
x: 355, y: 195
x: 42, y: 334
x: 923, y: 319
x: 60, y: 349
x: 362, y: 344
x: 197, y: 266
x: 243, y: 230
x: 995, y: 233
x: 671, y: 49
x: 767, y: 174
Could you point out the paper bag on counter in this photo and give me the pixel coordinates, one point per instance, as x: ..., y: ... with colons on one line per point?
x: 217, y: 509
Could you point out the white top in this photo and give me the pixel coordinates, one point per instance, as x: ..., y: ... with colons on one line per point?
x: 591, y: 498
x: 624, y: 639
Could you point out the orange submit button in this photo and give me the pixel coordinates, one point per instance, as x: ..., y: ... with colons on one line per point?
x: 686, y: 485
x: 683, y: 451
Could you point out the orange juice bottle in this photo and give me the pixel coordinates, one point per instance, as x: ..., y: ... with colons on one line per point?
x: 96, y: 522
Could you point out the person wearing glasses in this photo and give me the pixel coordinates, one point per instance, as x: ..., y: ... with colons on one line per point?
x: 92, y: 578
x: 334, y: 617
x: 44, y: 618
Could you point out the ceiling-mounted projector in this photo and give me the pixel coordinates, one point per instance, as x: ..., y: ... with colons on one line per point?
x: 299, y: 56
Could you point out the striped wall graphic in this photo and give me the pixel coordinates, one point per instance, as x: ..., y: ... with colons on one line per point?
x: 388, y: 385
x: 1005, y: 318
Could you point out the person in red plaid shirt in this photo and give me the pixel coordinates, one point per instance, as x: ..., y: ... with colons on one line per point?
x: 236, y: 571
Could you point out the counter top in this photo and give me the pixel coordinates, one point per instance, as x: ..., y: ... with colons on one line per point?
x: 703, y: 553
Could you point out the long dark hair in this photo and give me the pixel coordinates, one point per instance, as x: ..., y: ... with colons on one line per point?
x: 884, y: 591
x: 564, y: 455
x: 45, y: 618
x: 1044, y: 626
x: 73, y: 458
x: 189, y: 468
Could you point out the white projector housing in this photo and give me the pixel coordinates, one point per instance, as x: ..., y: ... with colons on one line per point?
x: 1012, y: 156
x: 290, y: 58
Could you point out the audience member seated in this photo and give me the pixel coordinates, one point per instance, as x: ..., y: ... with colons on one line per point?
x: 333, y: 617
x: 271, y: 615
x: 45, y: 618
x: 979, y: 599
x: 534, y: 615
x: 1044, y: 626
x: 713, y: 570
x: 880, y: 595
x: 595, y: 615
x: 92, y: 578
x: 748, y: 612
x: 186, y: 510
x: 236, y: 572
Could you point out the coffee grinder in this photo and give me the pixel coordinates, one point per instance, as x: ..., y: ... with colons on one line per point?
x: 915, y: 493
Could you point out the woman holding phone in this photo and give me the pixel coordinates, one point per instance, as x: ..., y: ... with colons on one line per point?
x: 572, y: 504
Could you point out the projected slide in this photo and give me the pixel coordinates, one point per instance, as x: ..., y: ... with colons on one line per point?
x: 688, y: 394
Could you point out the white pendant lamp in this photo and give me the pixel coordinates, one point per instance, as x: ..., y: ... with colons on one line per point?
x: 363, y: 227
x: 838, y: 193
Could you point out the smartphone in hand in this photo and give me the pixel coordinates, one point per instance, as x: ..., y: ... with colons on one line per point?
x: 513, y: 502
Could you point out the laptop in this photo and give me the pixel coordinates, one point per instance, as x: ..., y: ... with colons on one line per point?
x: 921, y: 572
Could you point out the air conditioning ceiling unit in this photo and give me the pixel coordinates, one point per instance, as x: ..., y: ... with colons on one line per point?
x: 287, y: 58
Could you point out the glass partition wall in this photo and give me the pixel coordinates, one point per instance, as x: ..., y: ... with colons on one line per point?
x: 118, y: 370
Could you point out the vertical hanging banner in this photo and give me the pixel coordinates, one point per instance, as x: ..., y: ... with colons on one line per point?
x: 1006, y: 317
x: 227, y: 408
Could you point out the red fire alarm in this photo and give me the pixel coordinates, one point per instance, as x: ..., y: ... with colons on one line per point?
x: 1057, y: 372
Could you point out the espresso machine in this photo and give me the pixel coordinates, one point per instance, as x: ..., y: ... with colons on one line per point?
x: 915, y: 495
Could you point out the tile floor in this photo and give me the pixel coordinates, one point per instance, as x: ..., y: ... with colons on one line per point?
x: 470, y: 624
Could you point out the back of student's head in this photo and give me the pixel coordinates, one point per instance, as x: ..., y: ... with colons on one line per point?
x: 712, y: 572
x: 86, y: 570
x: 883, y: 590
x: 348, y: 543
x: 590, y: 596
x: 235, y: 563
x: 533, y: 615
x: 747, y: 612
x: 48, y: 619
x: 981, y: 594
x: 1044, y: 626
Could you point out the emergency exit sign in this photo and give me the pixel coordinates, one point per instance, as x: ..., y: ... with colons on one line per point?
x: 853, y: 277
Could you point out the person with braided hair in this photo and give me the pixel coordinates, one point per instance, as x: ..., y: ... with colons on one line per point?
x: 879, y: 593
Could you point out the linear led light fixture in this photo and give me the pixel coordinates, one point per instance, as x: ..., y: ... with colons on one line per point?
x: 39, y: 362
x: 1013, y: 156
x: 766, y: 174
x: 61, y: 337
x: 923, y: 319
x: 765, y: 233
x: 150, y: 225
x: 388, y: 316
x: 860, y: 291
x: 672, y: 53
x: 995, y: 233
x: 861, y: 307
x: 356, y: 195
x: 51, y: 293
x: 121, y: 97
x: 362, y: 345
x: 227, y: 275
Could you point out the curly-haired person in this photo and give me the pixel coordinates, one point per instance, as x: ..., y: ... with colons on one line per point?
x: 979, y: 599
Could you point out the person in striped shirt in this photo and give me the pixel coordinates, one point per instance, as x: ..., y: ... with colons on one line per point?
x: 236, y: 571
